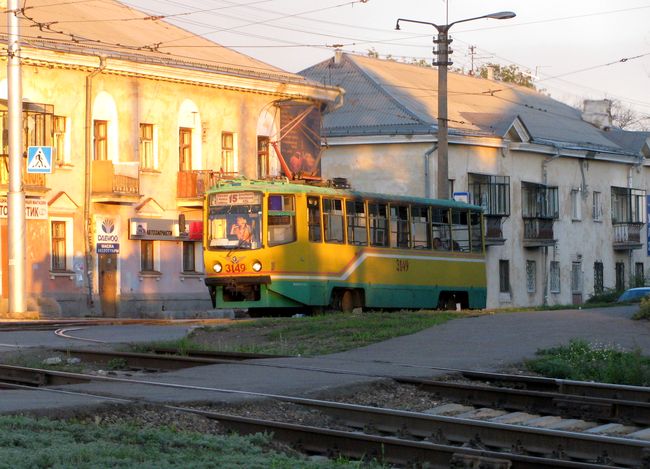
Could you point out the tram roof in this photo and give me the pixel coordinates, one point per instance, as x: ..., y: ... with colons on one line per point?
x: 285, y: 187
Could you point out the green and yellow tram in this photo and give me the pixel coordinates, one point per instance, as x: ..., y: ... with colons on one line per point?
x: 277, y: 244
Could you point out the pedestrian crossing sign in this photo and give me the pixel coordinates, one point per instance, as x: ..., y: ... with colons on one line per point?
x: 39, y: 160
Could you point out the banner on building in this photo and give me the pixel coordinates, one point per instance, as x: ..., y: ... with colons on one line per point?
x: 165, y: 230
x: 107, y: 234
x: 300, y: 141
x: 35, y: 209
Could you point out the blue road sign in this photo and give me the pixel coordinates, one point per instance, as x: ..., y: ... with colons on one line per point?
x: 39, y: 160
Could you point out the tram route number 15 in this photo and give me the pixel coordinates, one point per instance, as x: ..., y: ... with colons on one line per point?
x: 401, y: 265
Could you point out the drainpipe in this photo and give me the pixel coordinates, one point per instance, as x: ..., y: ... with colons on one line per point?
x: 427, y: 175
x: 87, y: 180
x: 545, y: 269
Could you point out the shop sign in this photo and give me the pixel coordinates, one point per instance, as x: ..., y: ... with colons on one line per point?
x: 35, y: 209
x: 107, y: 234
x: 164, y: 230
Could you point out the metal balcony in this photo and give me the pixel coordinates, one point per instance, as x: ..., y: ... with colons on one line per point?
x: 115, y: 183
x: 494, y: 231
x: 538, y: 232
x: 627, y: 236
x: 191, y: 185
x: 34, y: 183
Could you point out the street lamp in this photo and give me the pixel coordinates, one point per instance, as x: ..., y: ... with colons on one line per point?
x: 443, y: 62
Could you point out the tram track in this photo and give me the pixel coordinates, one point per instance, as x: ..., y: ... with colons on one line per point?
x: 421, y: 432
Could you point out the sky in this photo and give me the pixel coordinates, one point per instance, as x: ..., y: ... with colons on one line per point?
x: 574, y: 49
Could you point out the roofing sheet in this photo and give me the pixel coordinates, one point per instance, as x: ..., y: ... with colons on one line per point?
x: 382, y: 93
x: 94, y: 26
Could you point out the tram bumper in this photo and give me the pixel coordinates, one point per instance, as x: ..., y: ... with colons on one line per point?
x: 237, y: 288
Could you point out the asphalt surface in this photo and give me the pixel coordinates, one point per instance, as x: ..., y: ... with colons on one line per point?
x: 488, y: 343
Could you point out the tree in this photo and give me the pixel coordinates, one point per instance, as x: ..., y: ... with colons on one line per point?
x: 509, y: 74
x: 626, y: 118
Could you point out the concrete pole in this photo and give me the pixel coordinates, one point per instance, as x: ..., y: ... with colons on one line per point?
x: 443, y: 125
x: 16, y: 194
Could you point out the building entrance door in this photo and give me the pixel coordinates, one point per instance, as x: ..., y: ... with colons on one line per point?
x: 108, y: 284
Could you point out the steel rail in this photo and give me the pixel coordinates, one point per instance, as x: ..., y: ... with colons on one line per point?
x: 526, y: 439
x: 385, y: 449
x: 546, y: 402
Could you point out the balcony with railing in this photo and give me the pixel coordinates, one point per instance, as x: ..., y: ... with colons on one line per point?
x: 191, y: 185
x: 627, y: 236
x: 538, y: 232
x: 34, y: 183
x: 494, y: 231
x: 115, y: 183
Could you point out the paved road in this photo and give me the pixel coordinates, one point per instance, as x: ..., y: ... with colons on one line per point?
x: 482, y: 343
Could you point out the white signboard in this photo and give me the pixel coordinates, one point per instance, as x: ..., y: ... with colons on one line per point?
x: 35, y: 209
x: 107, y: 234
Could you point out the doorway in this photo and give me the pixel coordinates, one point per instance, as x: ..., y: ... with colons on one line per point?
x: 108, y: 284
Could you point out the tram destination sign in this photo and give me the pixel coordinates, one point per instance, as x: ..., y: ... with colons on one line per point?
x: 235, y: 198
x: 35, y: 209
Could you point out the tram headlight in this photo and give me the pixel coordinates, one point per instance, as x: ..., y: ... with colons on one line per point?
x: 217, y: 267
x: 257, y: 266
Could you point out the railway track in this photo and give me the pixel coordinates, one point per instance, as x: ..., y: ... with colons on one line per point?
x: 403, y: 437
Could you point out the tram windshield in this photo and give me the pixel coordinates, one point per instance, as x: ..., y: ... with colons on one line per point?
x: 235, y: 220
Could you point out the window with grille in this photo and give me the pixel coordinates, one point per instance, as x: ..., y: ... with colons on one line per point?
x: 620, y: 276
x: 599, y: 283
x: 555, y: 276
x: 59, y: 242
x: 576, y: 277
x: 531, y: 276
x: 504, y: 276
x: 146, y: 147
x: 639, y: 278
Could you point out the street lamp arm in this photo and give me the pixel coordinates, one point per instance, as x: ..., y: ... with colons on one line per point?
x: 501, y: 15
x: 415, y: 21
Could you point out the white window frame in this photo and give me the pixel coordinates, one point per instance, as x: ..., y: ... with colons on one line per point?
x: 597, y: 211
x: 69, y: 242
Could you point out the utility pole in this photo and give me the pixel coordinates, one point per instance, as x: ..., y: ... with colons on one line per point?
x: 16, y: 193
x: 442, y: 52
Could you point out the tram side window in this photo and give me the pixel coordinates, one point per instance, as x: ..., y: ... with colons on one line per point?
x: 399, y: 227
x: 476, y: 232
x: 440, y: 232
x: 420, y: 227
x: 356, y: 214
x: 282, y: 219
x: 460, y: 230
x: 333, y: 220
x: 313, y: 207
x: 378, y: 224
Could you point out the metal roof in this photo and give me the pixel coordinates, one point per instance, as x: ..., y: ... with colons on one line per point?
x: 384, y: 97
x: 114, y: 30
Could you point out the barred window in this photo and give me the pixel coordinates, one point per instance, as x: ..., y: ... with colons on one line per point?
x: 599, y: 284
x: 504, y: 276
x: 555, y: 276
x: 531, y: 276
x: 576, y: 277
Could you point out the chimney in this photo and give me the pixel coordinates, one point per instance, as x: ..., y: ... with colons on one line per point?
x: 490, y: 72
x: 338, y: 56
x: 598, y: 113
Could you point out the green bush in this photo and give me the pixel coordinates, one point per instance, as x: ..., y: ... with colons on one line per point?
x: 644, y: 309
x: 608, y: 295
x: 583, y: 361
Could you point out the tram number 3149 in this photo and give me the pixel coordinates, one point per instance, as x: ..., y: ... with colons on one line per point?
x: 401, y: 265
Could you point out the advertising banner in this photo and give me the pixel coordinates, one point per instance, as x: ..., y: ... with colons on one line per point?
x: 107, y: 234
x: 300, y: 138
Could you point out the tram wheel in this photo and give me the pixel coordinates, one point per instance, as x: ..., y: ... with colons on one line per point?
x: 347, y: 301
